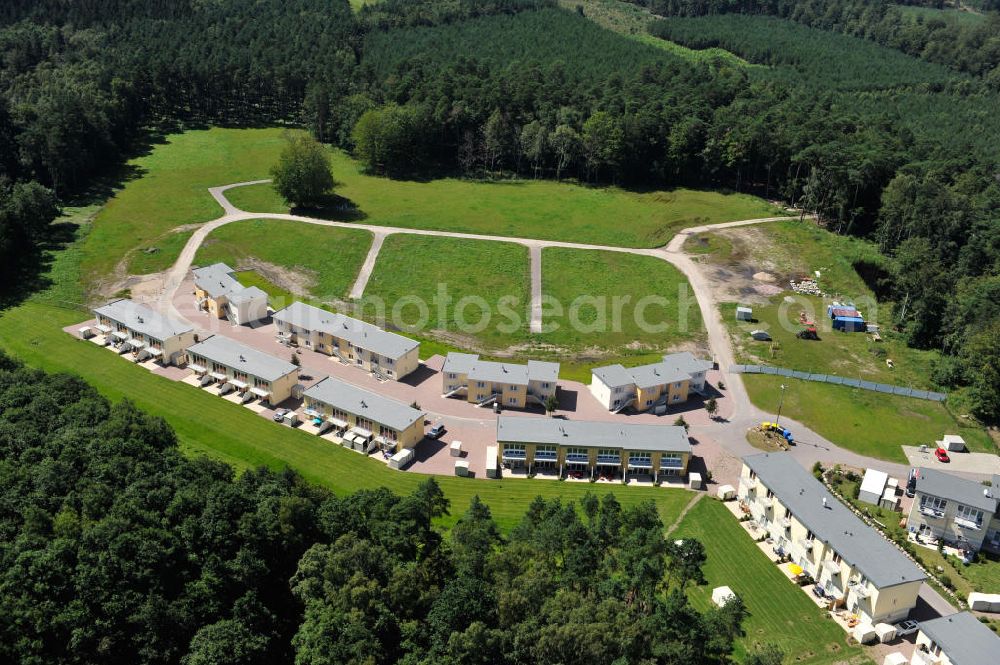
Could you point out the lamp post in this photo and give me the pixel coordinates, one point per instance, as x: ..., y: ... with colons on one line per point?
x: 781, y: 401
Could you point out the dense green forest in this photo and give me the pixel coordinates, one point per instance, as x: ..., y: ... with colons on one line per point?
x: 879, y: 143
x: 116, y: 548
x: 967, y: 46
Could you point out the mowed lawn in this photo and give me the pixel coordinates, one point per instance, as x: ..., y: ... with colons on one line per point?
x: 324, y: 260
x: 214, y: 427
x: 170, y: 189
x: 412, y: 270
x: 541, y: 209
x: 610, y: 300
x: 778, y: 612
x: 867, y: 422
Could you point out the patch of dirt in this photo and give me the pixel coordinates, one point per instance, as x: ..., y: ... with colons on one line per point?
x: 297, y: 282
x: 751, y: 273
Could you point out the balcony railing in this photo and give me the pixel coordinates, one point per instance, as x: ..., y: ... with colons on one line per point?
x: 545, y: 455
x: 514, y: 454
x: 671, y: 463
x: 967, y: 523
x: 609, y: 459
x: 577, y: 458
x: 932, y: 512
x: 860, y: 590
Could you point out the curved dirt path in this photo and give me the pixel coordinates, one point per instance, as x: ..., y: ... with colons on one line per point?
x: 729, y: 433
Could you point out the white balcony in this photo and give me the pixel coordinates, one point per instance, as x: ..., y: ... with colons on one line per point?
x: 932, y: 512
x: 859, y: 590
x: 967, y: 523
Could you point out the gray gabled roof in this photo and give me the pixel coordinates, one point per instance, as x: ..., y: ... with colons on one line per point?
x: 614, y: 376
x: 831, y: 522
x: 216, y: 280
x: 360, y: 402
x: 539, y: 370
x: 685, y: 361
x: 947, y: 486
x: 500, y: 372
x: 486, y: 370
x: 355, y: 331
x: 625, y: 436
x: 143, y: 319
x: 459, y: 363
x: 240, y: 357
x: 656, y: 374
x: 673, y: 367
x: 247, y: 293
x: 963, y: 639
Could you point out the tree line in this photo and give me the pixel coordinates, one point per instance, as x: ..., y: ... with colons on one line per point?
x: 967, y: 46
x: 115, y: 547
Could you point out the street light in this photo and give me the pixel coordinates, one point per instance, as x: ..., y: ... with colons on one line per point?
x: 781, y: 401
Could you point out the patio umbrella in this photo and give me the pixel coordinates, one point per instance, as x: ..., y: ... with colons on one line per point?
x: 795, y: 569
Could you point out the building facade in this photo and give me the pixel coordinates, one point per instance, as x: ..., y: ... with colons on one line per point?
x: 957, y: 639
x: 593, y: 448
x: 393, y: 425
x: 856, y: 567
x: 135, y: 328
x: 960, y: 512
x: 511, y: 385
x: 384, y: 354
x: 218, y: 292
x: 246, y: 369
x: 650, y: 387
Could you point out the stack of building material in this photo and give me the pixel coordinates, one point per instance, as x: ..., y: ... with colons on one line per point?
x: 984, y: 602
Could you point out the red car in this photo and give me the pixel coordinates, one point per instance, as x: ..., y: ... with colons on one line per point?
x: 942, y: 455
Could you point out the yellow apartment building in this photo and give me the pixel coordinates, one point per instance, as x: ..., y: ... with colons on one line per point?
x: 354, y: 342
x: 618, y: 450
x: 856, y: 567
x: 483, y: 382
x: 218, y: 292
x: 246, y: 369
x: 655, y: 387
x: 355, y: 413
x: 131, y: 327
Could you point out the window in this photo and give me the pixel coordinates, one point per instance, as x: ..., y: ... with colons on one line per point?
x: 677, y: 398
x: 512, y: 400
x: 836, y: 558
x: 970, y: 515
x: 364, y: 423
x: 753, y: 474
x: 390, y: 361
x: 513, y: 387
x: 514, y: 451
x: 932, y: 504
x: 216, y: 367
x: 770, y: 494
x: 480, y: 384
x: 671, y: 461
x: 577, y: 456
x: 261, y: 383
x: 545, y: 386
x: 545, y: 453
x: 452, y: 375
x: 649, y: 402
x: 677, y: 385
x: 240, y: 376
x: 387, y: 433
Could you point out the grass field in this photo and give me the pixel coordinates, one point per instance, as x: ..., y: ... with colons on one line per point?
x: 412, y: 269
x: 869, y: 423
x: 529, y: 209
x: 217, y: 428
x: 852, y: 355
x: 170, y: 189
x: 778, y: 611
x: 596, y: 323
x: 321, y: 261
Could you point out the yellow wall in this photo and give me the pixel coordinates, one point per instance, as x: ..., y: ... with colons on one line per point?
x: 214, y: 307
